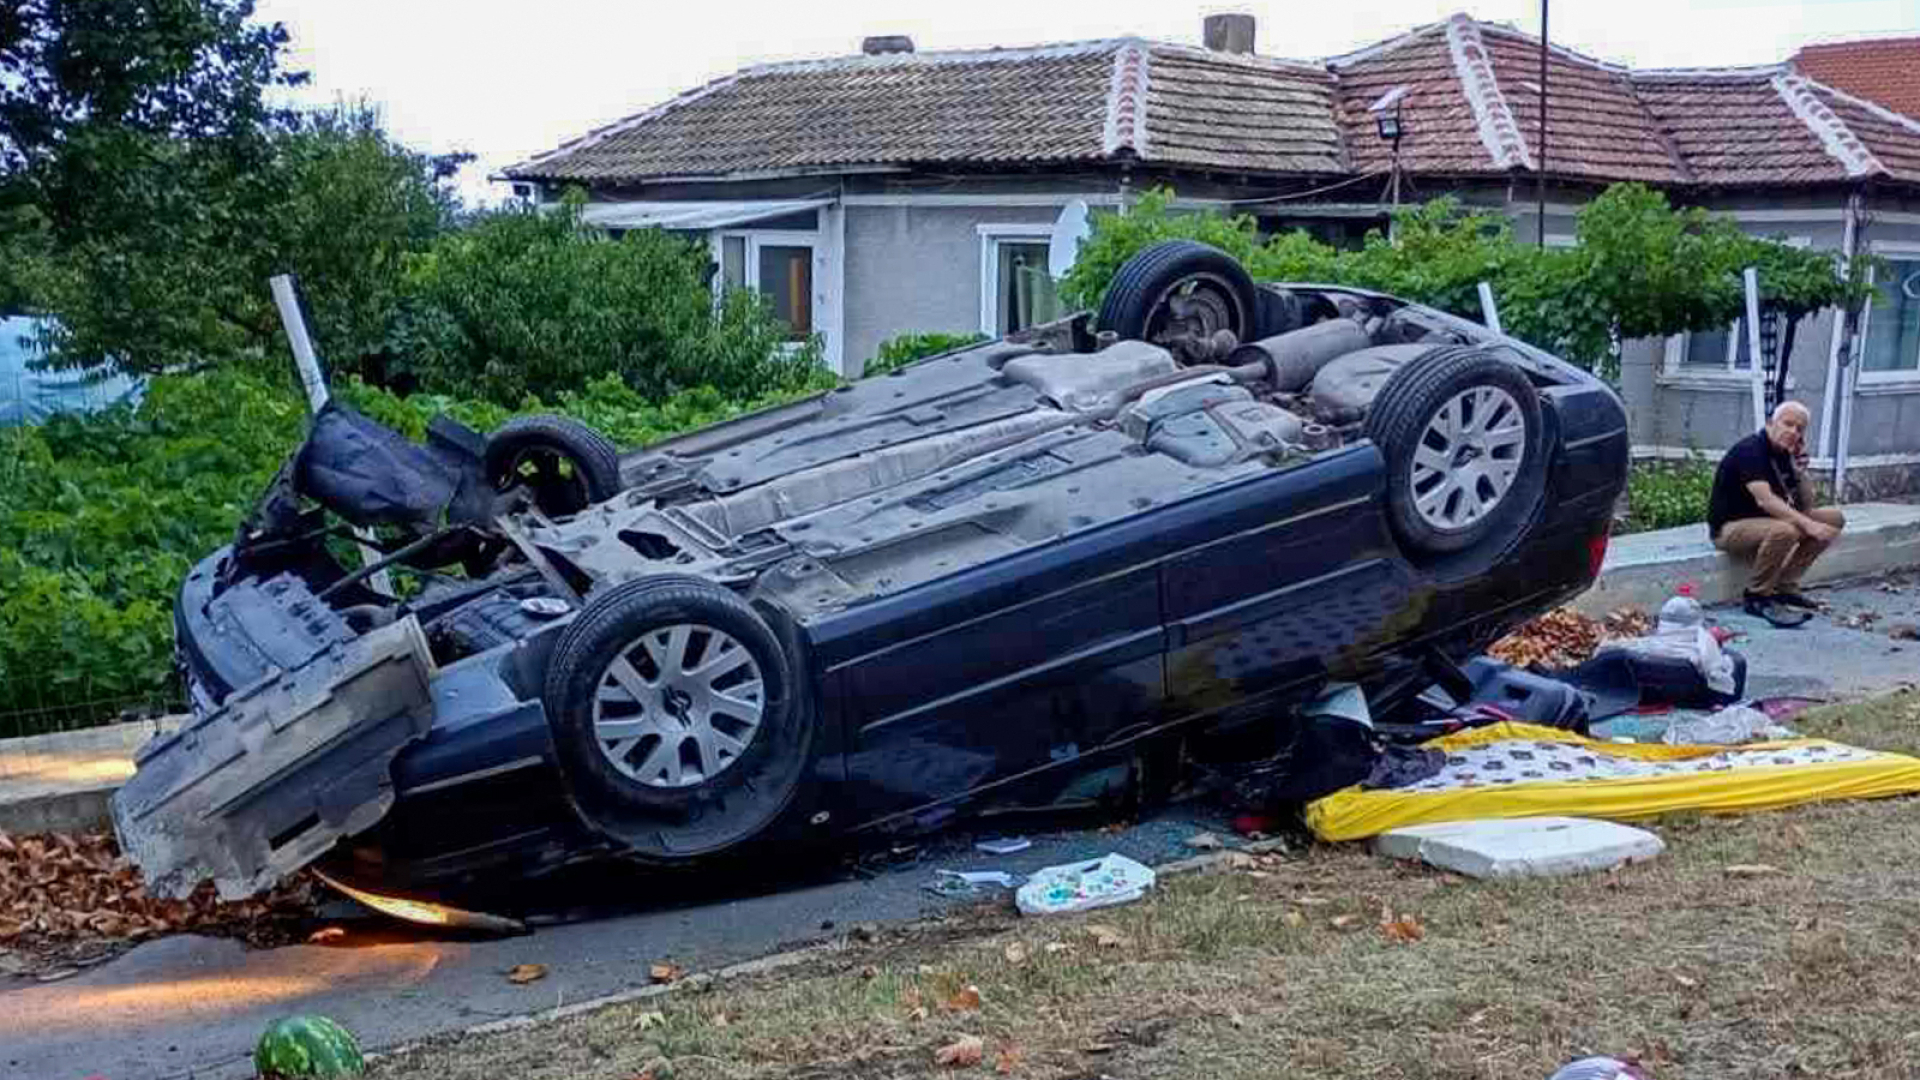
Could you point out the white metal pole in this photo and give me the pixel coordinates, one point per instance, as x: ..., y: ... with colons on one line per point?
x: 304, y: 360
x: 315, y: 382
x: 1488, y: 309
x: 1758, y: 376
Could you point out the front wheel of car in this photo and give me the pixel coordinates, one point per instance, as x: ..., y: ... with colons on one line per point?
x: 1462, y: 436
x: 679, y: 721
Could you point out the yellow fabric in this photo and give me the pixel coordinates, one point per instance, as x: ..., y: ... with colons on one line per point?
x: 1353, y: 813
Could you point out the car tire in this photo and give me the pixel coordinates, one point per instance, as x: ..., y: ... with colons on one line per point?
x: 1462, y: 435
x: 565, y: 465
x: 1140, y: 302
x: 708, y: 753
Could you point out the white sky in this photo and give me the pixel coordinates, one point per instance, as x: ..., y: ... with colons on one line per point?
x: 505, y: 81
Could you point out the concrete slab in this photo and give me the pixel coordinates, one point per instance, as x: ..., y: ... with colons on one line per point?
x: 64, y: 780
x: 1643, y: 569
x: 1521, y: 847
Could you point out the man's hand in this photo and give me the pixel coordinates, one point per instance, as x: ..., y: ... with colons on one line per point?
x: 1819, y: 530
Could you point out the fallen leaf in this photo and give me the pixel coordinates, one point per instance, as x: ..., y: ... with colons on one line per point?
x: 521, y: 974
x: 326, y: 934
x: 664, y: 972
x: 720, y: 1020
x: 647, y: 1021
x: 1236, y: 1020
x: 962, y: 1053
x: 1057, y: 947
x: 967, y: 998
x: 1007, y: 1060
x: 1016, y: 953
x: 1342, y: 922
x: 869, y: 972
x: 1750, y: 870
x: 1205, y: 841
x: 1310, y: 901
x: 918, y: 1012
x: 1404, y: 930
x: 1106, y: 937
x: 1686, y: 982
x: 1294, y: 918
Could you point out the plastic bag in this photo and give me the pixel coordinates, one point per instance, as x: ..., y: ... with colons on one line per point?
x: 1083, y: 886
x: 1731, y: 725
x: 1692, y: 643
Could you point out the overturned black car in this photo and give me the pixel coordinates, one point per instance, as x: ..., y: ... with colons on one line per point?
x: 1164, y: 525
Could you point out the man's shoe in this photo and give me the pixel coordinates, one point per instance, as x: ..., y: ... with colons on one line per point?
x: 1771, y: 609
x: 1794, y: 599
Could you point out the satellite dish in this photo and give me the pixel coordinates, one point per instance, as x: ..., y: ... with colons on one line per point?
x: 1063, y: 243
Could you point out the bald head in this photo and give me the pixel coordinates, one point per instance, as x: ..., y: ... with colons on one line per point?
x: 1787, y: 430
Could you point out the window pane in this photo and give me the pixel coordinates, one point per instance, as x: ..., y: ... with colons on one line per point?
x: 1893, y: 328
x: 733, y: 262
x: 786, y: 276
x: 1706, y: 348
x: 1026, y: 293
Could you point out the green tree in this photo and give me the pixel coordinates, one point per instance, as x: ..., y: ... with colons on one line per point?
x: 535, y: 303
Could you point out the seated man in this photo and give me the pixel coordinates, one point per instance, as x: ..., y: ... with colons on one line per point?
x: 1762, y: 508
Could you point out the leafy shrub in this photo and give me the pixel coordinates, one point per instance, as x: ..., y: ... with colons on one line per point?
x: 531, y: 303
x: 1664, y: 494
x: 1640, y: 269
x: 903, y: 349
x: 101, y: 516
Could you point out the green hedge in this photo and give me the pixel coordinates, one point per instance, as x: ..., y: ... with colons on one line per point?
x: 1664, y: 494
x: 101, y: 517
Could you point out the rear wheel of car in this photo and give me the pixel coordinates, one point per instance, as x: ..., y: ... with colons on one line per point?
x: 1461, y: 433
x: 678, y: 719
x: 564, y: 465
x: 1178, y: 294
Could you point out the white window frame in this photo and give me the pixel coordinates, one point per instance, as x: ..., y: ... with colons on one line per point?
x: 991, y: 237
x: 759, y: 238
x: 1904, y: 377
x: 1676, y: 370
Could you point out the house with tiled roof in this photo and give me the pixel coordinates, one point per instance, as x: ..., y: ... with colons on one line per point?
x: 898, y: 191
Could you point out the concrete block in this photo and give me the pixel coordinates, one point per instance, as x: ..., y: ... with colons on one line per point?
x: 1521, y: 847
x: 1643, y: 569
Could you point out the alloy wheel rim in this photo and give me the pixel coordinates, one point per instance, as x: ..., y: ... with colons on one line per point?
x: 1468, y: 458
x: 678, y: 706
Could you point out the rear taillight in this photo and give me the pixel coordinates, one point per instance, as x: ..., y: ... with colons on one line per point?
x: 1596, y: 554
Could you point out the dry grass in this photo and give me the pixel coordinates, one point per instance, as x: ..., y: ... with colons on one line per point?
x: 1806, y: 972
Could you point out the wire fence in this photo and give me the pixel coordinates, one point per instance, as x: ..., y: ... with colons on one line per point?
x: 42, y: 707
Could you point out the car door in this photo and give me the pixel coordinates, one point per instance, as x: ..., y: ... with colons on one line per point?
x: 1298, y: 581
x: 989, y: 675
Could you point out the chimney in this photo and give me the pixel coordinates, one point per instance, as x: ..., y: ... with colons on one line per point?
x: 1228, y: 33
x: 890, y: 43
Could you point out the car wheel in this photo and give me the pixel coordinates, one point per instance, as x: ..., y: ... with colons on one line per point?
x: 564, y: 465
x: 1461, y: 433
x: 1178, y: 294
x: 677, y: 718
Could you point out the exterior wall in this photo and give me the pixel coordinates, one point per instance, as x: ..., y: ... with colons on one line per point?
x: 917, y: 268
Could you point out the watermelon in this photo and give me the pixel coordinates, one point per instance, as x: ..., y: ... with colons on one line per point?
x: 307, y: 1048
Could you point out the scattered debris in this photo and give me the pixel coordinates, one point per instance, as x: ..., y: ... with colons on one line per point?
x: 966, y: 883
x: 1055, y: 948
x: 1106, y: 937
x: 1730, y: 726
x: 1751, y: 870
x: 326, y: 934
x: 1016, y: 953
x: 1008, y: 1061
x: 966, y: 999
x: 1205, y: 841
x: 521, y: 974
x: 665, y: 972
x: 649, y: 1020
x: 1859, y: 620
x: 68, y: 899
x: 866, y: 933
x: 1343, y: 922
x: 1516, y: 847
x: 1599, y: 1068
x: 1114, y: 879
x: 963, y: 1053
x: 1004, y: 845
x: 1564, y: 637
x: 1401, y: 929
x: 1904, y: 632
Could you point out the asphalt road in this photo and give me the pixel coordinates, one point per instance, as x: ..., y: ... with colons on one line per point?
x: 191, y: 1007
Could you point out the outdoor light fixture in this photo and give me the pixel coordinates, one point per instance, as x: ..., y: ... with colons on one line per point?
x: 1389, y: 124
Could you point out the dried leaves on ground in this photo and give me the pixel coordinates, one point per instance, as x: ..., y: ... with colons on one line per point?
x: 1564, y: 637
x: 68, y: 898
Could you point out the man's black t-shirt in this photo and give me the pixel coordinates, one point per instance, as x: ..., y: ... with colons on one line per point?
x: 1752, y: 458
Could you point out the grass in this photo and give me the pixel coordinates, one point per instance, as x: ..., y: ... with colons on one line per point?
x: 1284, y: 967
